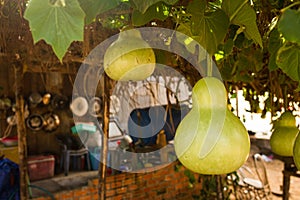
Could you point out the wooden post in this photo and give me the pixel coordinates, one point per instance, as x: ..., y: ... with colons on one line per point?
x: 104, y: 149
x: 21, y: 128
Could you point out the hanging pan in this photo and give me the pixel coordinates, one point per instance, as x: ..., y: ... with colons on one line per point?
x: 59, y: 102
x: 51, y: 121
x: 95, y: 107
x: 35, y: 122
x: 79, y: 106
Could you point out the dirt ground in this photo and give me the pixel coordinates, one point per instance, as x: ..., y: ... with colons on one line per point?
x: 274, y: 171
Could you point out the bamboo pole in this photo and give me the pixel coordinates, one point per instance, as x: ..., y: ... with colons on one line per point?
x: 22, y: 144
x: 104, y: 149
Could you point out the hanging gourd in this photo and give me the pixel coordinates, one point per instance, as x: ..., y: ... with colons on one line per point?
x: 284, y: 134
x: 211, y: 139
x: 129, y: 57
x: 296, y: 151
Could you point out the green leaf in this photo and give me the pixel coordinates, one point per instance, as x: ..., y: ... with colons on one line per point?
x: 143, y: 5
x: 289, y: 25
x: 242, y: 14
x: 274, y: 44
x: 288, y: 60
x: 92, y: 8
x: 158, y: 11
x: 210, y: 28
x: 250, y: 60
x: 227, y: 68
x: 59, y: 24
x: 185, y: 28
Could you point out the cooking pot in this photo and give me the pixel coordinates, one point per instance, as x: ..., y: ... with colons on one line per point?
x: 59, y: 102
x: 95, y: 106
x: 35, y: 122
x: 46, y: 98
x: 79, y: 106
x: 51, y: 121
x: 35, y: 98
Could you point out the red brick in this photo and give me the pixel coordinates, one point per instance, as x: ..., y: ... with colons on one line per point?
x: 121, y: 190
x: 110, y: 193
x: 80, y: 192
x: 94, y: 196
x: 88, y: 197
x: 116, y: 185
x: 119, y: 197
x: 132, y: 187
x: 67, y: 195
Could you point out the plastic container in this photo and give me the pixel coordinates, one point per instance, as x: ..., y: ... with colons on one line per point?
x: 40, y: 167
x: 83, y: 127
x: 95, y: 158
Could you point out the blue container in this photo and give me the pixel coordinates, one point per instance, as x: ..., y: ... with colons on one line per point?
x: 95, y: 158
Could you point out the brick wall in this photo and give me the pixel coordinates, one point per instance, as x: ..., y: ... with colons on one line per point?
x: 162, y: 184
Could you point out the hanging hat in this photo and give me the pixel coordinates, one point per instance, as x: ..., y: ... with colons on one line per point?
x: 79, y: 106
x: 95, y: 106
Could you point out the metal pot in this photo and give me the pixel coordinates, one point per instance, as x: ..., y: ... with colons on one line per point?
x: 35, y: 122
x: 59, y: 102
x: 95, y: 107
x: 51, y: 121
x: 35, y: 98
x: 79, y: 106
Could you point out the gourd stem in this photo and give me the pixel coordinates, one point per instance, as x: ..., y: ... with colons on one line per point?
x: 209, y: 66
x: 285, y: 98
x: 289, y: 6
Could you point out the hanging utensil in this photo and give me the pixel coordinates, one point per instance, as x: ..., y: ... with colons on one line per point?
x: 51, y: 122
x: 95, y: 107
x: 59, y: 102
x: 46, y: 98
x: 79, y: 106
x: 35, y: 98
x: 35, y: 122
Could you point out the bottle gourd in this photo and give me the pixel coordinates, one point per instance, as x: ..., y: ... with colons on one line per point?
x: 129, y: 57
x: 284, y: 134
x: 211, y: 139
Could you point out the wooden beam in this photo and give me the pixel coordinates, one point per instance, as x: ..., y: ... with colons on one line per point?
x: 104, y: 152
x: 21, y: 128
x: 60, y: 68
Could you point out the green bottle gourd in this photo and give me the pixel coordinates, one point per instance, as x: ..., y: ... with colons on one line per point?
x: 284, y: 134
x: 296, y: 151
x: 211, y: 139
x: 129, y: 57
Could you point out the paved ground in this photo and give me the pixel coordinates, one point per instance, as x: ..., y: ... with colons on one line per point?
x: 274, y: 171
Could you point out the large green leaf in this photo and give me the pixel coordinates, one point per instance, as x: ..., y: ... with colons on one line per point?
x: 274, y: 44
x: 58, y: 24
x: 250, y: 60
x: 242, y: 14
x: 288, y: 59
x: 157, y: 11
x: 92, y: 8
x: 143, y: 5
x: 289, y: 25
x: 210, y: 28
